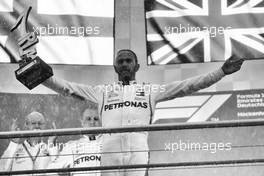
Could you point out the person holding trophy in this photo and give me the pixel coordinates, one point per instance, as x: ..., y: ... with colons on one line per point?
x: 128, y: 102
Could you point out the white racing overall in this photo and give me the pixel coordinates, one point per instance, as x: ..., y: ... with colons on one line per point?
x: 79, y: 153
x: 133, y: 104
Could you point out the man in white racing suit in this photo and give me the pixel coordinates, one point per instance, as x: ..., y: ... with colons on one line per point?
x: 129, y: 103
x: 29, y: 154
x: 84, y: 152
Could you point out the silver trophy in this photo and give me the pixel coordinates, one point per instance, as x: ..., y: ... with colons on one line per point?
x: 32, y: 70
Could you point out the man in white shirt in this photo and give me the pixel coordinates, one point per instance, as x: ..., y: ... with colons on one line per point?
x: 29, y: 154
x: 84, y: 152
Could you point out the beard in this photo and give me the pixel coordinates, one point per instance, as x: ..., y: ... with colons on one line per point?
x: 126, y: 75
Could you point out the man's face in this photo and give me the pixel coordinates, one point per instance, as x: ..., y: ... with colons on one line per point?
x: 90, y: 118
x: 35, y: 121
x: 125, y: 65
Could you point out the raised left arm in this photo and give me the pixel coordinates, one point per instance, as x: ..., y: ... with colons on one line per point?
x: 191, y: 85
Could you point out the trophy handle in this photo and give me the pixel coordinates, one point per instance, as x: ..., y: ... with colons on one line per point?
x: 22, y: 19
x: 27, y: 40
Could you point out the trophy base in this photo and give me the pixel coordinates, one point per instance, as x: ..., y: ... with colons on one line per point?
x: 33, y: 73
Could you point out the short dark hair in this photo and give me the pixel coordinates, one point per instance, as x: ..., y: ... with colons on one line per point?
x: 128, y: 50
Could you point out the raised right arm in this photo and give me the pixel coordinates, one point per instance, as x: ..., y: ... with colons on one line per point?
x: 75, y: 90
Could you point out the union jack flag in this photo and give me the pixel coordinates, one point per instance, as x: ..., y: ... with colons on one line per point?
x: 69, y: 31
x: 184, y: 31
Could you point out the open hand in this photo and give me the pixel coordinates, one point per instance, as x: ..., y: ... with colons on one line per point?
x: 14, y: 127
x: 233, y: 64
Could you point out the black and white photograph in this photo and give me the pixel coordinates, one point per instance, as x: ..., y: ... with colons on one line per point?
x: 132, y: 87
